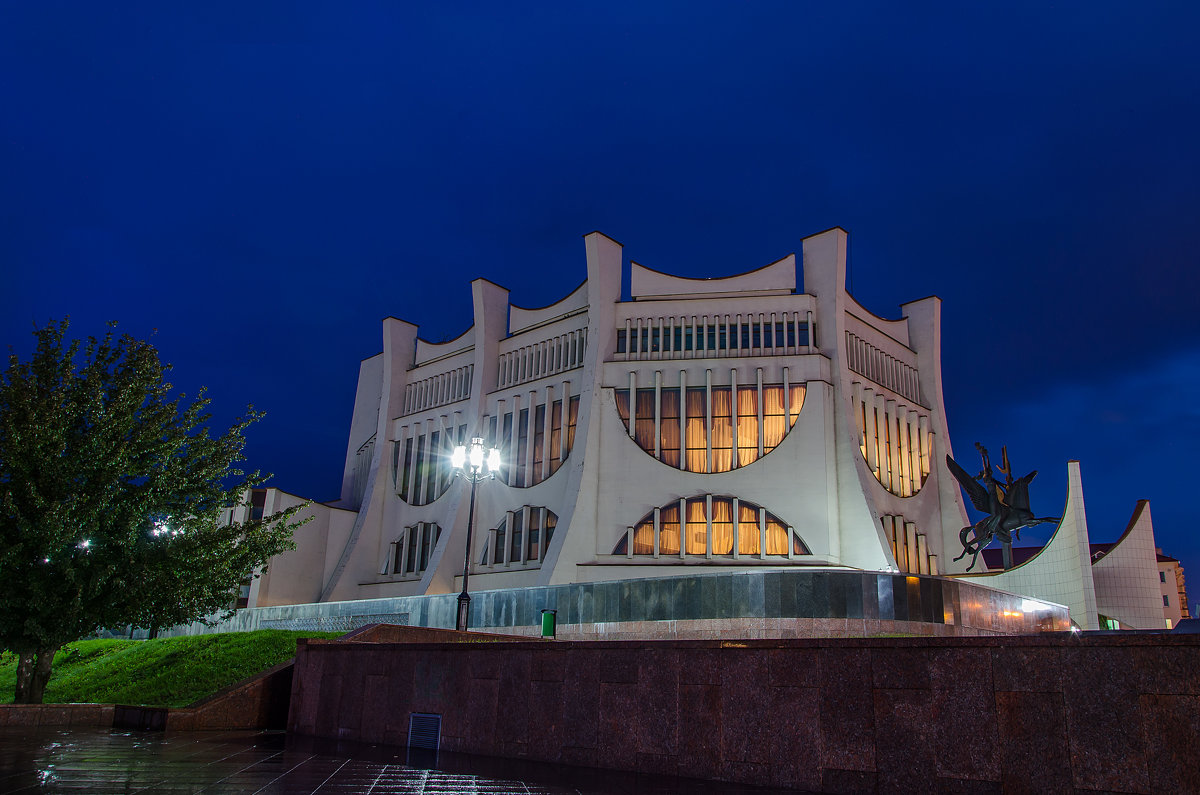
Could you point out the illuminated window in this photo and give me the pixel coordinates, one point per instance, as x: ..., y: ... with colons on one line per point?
x: 742, y: 421
x: 709, y: 529
x: 668, y: 427
x: 423, y: 471
x: 697, y: 527
x: 535, y: 441
x: 697, y: 430
x: 722, y: 429
x: 668, y: 539
x: 573, y: 419
x: 895, y: 441
x: 747, y: 425
x: 555, y: 436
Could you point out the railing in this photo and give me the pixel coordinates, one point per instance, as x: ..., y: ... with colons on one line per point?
x: 530, y: 362
x: 701, y: 336
x: 438, y: 390
x: 884, y: 369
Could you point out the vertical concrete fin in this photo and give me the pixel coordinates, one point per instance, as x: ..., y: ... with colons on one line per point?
x: 1127, y: 586
x: 604, y: 267
x: 399, y: 345
x: 825, y: 263
x: 490, y: 303
x: 363, y: 422
x: 925, y: 337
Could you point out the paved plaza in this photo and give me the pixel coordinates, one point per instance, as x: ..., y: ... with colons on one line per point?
x: 100, y: 761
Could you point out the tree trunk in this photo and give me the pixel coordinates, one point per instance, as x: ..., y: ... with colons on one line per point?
x: 153, y: 633
x: 33, y: 672
x: 24, y: 674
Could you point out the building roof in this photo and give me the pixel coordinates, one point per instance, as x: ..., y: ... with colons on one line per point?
x: 993, y: 557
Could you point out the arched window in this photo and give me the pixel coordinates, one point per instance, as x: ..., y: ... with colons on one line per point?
x: 520, y: 540
x: 895, y: 441
x: 711, y: 526
x: 410, y: 553
x: 710, y: 429
x: 422, y: 472
x: 533, y: 444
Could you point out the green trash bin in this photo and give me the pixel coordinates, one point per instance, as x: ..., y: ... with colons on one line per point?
x: 549, y: 623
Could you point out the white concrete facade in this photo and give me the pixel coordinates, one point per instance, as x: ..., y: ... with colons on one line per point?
x: 761, y: 420
x: 790, y: 427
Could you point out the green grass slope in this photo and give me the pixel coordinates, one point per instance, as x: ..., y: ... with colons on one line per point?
x: 169, y: 672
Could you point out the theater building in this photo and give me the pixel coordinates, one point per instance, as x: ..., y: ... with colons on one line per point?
x: 751, y: 431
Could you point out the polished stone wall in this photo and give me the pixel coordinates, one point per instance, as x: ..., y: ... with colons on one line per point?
x: 745, y: 604
x: 1044, y: 713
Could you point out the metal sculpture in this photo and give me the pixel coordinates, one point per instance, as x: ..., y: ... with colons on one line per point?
x: 1006, y: 505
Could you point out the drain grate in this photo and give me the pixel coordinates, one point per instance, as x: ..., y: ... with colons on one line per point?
x: 424, y: 731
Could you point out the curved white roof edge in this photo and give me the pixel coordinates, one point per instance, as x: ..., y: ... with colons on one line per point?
x: 1127, y: 577
x: 888, y: 325
x: 520, y: 318
x: 777, y: 278
x: 427, y: 350
x: 1062, y: 571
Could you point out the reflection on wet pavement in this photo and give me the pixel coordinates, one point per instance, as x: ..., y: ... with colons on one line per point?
x: 97, y: 761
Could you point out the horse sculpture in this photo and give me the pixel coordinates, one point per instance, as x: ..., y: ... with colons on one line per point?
x: 1006, y: 505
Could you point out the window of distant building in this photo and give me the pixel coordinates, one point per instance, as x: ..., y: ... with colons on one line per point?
x: 258, y: 503
x: 1166, y: 601
x: 1162, y: 576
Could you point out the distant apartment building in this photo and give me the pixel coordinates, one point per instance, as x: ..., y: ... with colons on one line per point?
x: 1174, y: 591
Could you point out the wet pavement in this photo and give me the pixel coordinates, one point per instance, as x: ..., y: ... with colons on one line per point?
x: 100, y: 761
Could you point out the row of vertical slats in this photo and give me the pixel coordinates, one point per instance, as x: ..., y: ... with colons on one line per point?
x: 909, y: 546
x: 732, y: 325
x: 884, y: 369
x: 438, y: 390
x: 541, y: 359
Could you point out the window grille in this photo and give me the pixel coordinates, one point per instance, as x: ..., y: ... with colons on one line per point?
x: 424, y: 731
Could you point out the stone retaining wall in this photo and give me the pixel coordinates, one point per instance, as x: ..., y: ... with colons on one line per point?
x: 66, y: 715
x: 1032, y: 713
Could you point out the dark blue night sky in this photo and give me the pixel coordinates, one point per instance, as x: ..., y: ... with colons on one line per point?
x: 263, y: 182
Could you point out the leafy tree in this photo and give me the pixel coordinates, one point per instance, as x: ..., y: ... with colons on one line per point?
x: 112, y: 494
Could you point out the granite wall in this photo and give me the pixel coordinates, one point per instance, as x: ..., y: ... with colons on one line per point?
x: 1037, y: 713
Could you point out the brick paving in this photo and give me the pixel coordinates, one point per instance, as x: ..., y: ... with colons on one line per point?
x: 213, y: 763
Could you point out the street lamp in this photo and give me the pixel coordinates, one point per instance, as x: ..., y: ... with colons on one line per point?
x: 468, y: 462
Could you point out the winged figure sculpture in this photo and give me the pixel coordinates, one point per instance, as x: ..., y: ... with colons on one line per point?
x: 1005, y: 503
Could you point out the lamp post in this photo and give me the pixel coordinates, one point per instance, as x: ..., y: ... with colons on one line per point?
x: 469, y: 462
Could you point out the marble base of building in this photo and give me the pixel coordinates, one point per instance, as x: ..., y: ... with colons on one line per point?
x: 749, y: 604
